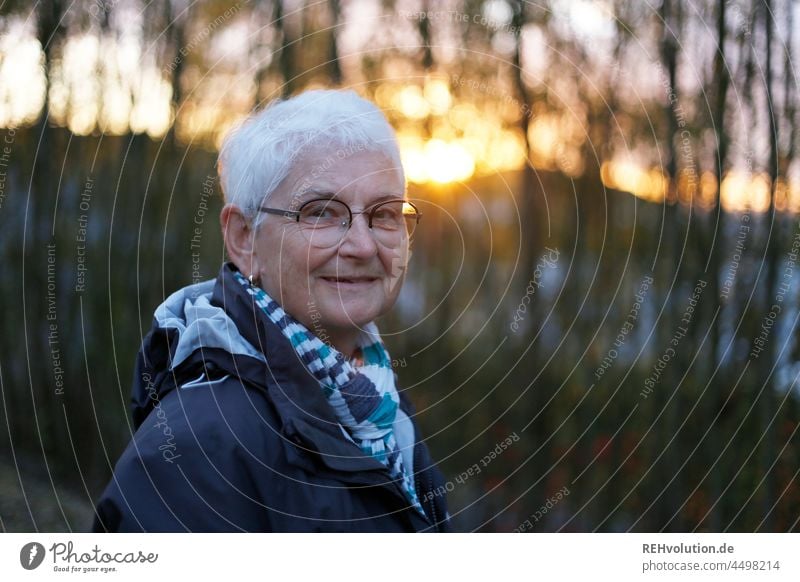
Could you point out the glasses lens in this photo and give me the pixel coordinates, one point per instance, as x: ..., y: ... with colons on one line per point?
x: 394, y: 221
x: 324, y: 222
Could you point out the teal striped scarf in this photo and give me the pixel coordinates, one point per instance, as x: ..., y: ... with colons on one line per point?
x: 364, y: 398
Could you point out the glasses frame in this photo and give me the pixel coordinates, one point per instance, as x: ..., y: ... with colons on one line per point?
x: 370, y: 212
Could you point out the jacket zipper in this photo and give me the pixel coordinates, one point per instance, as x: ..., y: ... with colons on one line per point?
x: 433, y: 503
x: 393, y: 484
x: 429, y: 486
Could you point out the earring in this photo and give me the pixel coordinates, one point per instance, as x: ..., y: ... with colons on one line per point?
x: 250, y: 279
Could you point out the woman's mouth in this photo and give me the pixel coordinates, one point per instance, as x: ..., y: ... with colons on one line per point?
x: 349, y: 281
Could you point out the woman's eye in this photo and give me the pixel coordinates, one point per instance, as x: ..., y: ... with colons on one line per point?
x: 386, y: 214
x: 319, y: 211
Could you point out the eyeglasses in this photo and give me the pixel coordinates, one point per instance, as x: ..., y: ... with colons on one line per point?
x: 325, y: 221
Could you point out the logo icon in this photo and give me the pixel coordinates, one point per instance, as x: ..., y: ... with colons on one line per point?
x: 31, y: 555
x: 399, y: 265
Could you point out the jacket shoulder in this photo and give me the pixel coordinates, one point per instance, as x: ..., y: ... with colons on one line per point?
x: 189, y: 465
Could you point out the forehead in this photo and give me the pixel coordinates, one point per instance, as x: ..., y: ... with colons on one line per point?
x: 348, y: 173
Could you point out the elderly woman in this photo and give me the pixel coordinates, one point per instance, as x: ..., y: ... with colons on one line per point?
x: 265, y: 400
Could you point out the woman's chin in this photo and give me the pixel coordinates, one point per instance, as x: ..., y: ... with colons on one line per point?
x: 350, y: 308
x: 349, y: 322
x: 343, y: 317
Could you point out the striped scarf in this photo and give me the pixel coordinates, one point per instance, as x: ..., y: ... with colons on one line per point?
x: 363, y: 397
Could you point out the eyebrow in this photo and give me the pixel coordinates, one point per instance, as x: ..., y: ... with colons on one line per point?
x: 312, y: 194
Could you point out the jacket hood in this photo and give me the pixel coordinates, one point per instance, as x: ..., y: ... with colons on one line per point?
x: 185, y: 325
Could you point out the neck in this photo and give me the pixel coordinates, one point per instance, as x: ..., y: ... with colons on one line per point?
x: 345, y: 341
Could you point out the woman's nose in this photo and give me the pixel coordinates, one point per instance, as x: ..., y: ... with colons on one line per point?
x: 359, y: 240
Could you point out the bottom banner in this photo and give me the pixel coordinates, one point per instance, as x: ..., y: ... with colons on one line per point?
x: 392, y: 557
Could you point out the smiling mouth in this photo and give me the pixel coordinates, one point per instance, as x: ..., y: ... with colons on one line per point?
x: 349, y: 280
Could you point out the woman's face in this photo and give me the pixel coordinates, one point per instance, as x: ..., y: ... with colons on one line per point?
x: 335, y: 290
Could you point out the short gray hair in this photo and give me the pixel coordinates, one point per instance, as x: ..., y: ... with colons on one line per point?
x: 257, y: 154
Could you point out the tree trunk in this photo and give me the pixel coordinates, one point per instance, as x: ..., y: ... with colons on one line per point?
x: 285, y: 53
x: 766, y: 403
x: 334, y: 66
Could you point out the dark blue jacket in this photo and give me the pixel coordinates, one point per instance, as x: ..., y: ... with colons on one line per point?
x: 233, y: 434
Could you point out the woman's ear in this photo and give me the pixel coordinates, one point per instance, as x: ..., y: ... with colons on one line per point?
x: 239, y: 239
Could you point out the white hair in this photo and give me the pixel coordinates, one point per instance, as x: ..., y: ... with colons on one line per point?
x: 257, y: 155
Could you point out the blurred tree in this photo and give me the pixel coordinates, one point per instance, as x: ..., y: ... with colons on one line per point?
x: 595, y: 101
